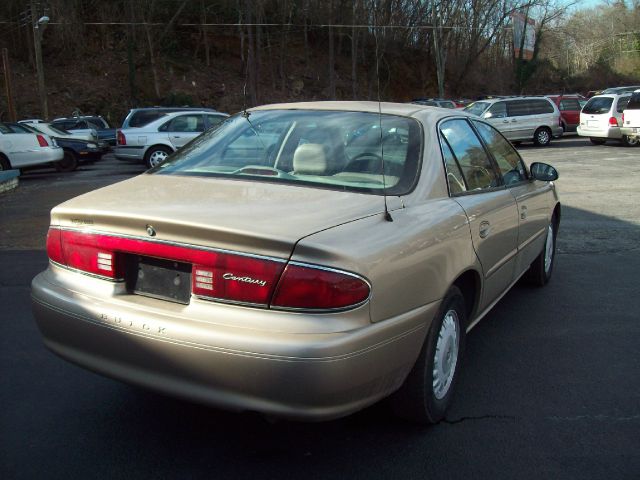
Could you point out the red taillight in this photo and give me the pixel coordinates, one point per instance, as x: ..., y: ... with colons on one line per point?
x: 54, y: 245
x: 622, y: 118
x: 312, y: 288
x: 613, y: 122
x: 42, y: 141
x: 216, y: 275
x: 122, y: 140
x: 236, y: 278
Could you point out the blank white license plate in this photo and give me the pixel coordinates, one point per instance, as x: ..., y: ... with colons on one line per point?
x: 592, y: 123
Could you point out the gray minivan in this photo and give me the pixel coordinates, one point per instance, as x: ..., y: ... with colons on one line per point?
x: 520, y: 119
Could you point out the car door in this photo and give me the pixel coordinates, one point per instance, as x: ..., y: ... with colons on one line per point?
x: 532, y: 197
x: 489, y: 206
x: 522, y: 122
x: 497, y: 116
x: 184, y: 128
x: 570, y: 111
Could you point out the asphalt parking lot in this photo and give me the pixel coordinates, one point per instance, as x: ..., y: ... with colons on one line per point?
x: 550, y: 388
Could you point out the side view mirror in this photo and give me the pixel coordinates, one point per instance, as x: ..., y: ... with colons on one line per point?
x: 542, y: 171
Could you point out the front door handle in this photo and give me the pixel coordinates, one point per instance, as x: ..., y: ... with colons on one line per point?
x: 485, y: 229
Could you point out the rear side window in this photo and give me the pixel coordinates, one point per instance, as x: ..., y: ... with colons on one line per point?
x: 622, y: 104
x: 518, y: 108
x: 569, y: 104
x: 634, y: 102
x: 140, y: 119
x: 598, y: 105
x: 455, y: 180
x: 470, y: 155
x: 541, y: 106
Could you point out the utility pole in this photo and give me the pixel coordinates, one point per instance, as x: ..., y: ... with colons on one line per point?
x: 38, y: 29
x: 7, y: 85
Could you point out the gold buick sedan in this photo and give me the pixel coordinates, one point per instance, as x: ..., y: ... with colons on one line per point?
x: 301, y: 260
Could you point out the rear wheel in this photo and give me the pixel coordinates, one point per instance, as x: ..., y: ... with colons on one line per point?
x: 4, y: 163
x: 628, y: 141
x: 157, y: 155
x: 68, y: 163
x: 541, y: 268
x: 597, y: 141
x: 427, y: 392
x: 542, y: 137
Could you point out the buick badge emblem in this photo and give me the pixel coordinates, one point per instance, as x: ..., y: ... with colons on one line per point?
x: 151, y: 231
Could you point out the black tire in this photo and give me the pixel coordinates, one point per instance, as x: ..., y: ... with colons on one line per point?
x: 540, y: 271
x: 68, y: 163
x: 4, y: 163
x: 597, y: 141
x: 628, y: 141
x: 154, y: 155
x: 542, y: 137
x: 516, y: 143
x: 417, y: 400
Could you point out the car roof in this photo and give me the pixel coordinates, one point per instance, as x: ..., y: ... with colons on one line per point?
x: 401, y: 109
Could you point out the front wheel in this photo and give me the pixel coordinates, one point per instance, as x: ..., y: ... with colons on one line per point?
x: 541, y: 268
x: 4, y: 163
x: 428, y: 389
x: 156, y: 155
x: 68, y: 163
x: 542, y: 137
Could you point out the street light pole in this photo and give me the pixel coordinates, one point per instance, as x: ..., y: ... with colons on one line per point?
x: 38, y: 30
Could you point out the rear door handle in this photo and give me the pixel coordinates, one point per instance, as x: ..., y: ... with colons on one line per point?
x: 485, y: 229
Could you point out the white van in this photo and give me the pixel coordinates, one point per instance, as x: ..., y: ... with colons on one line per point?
x: 520, y: 119
x: 601, y: 119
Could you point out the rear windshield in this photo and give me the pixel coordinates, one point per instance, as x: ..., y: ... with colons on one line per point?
x: 622, y: 104
x: 634, y: 103
x: 598, y: 105
x: 331, y: 149
x: 477, y: 108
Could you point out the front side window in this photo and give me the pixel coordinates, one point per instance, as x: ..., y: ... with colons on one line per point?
x: 508, y: 160
x: 470, y: 155
x: 477, y: 108
x: 355, y: 151
x: 497, y: 110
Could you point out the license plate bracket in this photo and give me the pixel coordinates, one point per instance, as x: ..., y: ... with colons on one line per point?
x: 158, y: 278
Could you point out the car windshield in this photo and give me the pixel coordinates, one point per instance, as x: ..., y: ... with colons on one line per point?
x: 476, y: 108
x: 597, y: 105
x: 332, y: 149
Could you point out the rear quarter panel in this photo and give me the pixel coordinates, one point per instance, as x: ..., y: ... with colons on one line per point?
x: 409, y: 262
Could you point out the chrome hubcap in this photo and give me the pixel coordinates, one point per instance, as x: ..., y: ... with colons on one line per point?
x: 157, y: 157
x: 543, y: 136
x: 548, y: 252
x: 446, y: 355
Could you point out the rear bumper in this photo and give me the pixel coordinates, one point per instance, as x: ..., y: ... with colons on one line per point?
x: 630, y: 131
x: 130, y: 153
x: 609, y: 132
x: 310, y: 376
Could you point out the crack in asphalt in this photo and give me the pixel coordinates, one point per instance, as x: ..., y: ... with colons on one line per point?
x: 601, y: 417
x: 481, y: 417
